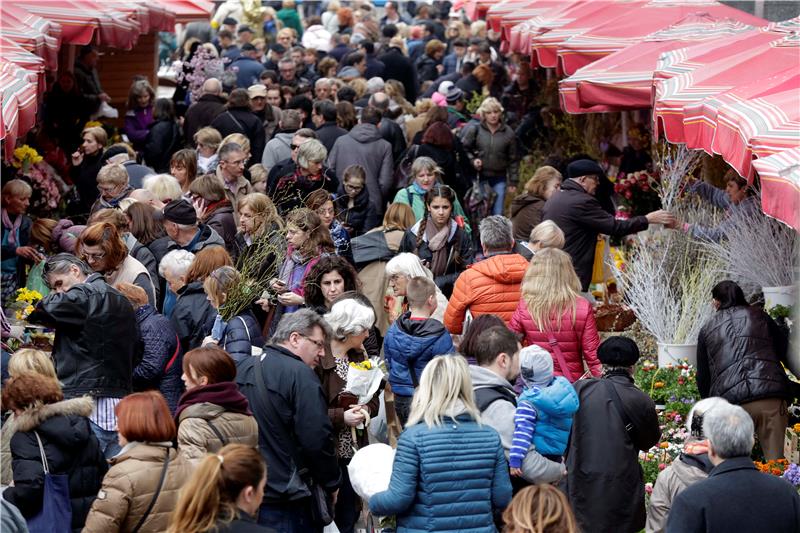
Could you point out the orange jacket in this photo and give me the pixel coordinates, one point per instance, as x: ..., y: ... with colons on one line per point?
x: 491, y: 286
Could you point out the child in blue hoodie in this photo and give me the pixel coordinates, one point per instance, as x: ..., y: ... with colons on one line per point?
x: 414, y: 339
x: 544, y: 410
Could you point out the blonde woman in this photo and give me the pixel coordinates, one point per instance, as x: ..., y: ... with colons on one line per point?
x: 526, y: 209
x: 553, y: 315
x: 257, y: 216
x: 546, y: 234
x: 450, y: 471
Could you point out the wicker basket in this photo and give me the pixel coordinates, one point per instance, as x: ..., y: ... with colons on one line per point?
x: 613, y: 317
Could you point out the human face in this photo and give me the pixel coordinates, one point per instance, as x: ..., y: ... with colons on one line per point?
x: 425, y: 179
x: 361, y: 66
x: 297, y: 57
x: 297, y: 140
x: 492, y: 117
x: 332, y: 285
x: 192, y: 380
x: 17, y: 205
x: 143, y: 100
x: 64, y: 282
x: 90, y: 145
x: 179, y: 172
x: 309, y: 348
x: 460, y: 51
x: 274, y: 97
x: 322, y: 91
x: 205, y: 150
x: 95, y: 257
x: 353, y: 186
x: 398, y: 283
x: 233, y: 164
x: 326, y: 213
x: 175, y: 281
x: 440, y: 210
x: 313, y: 168
x: 247, y: 220
x: 260, y: 186
x: 735, y: 193
x: 287, y: 72
x: 285, y: 40
x: 258, y: 103
x: 552, y: 187
x: 296, y: 237
x: 589, y: 183
x: 109, y: 191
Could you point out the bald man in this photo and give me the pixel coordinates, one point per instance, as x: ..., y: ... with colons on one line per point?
x: 201, y: 113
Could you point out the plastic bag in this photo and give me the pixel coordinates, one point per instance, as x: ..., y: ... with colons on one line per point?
x: 35, y: 281
x: 370, y: 470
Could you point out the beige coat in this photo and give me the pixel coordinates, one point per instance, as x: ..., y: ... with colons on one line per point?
x: 129, y: 487
x: 374, y: 279
x: 670, y: 482
x: 196, y: 438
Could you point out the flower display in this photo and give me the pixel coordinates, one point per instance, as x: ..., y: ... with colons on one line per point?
x: 24, y: 302
x: 25, y: 156
x: 202, y: 66
x: 638, y: 192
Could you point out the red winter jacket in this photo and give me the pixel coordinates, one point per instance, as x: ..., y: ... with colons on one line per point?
x: 573, y: 339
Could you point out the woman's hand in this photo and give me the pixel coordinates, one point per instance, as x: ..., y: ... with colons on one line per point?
x: 291, y: 298
x: 77, y: 158
x: 30, y: 253
x: 354, y: 416
x: 209, y: 340
x: 277, y: 285
x: 264, y: 303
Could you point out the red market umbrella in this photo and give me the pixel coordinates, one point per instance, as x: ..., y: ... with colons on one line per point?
x: 188, y: 10
x: 672, y: 95
x: 635, y: 24
x: 18, y: 103
x: 624, y: 79
x: 522, y: 34
x: 780, y: 186
x: 32, y: 32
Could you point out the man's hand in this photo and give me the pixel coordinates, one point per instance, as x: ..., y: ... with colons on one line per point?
x: 661, y: 217
x: 291, y: 298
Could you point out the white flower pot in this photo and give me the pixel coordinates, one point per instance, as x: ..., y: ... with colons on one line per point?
x: 674, y: 354
x: 784, y: 295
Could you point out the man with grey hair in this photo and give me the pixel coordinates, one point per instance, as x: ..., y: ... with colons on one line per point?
x: 735, y: 496
x: 203, y: 112
x: 493, y: 285
x: 390, y: 130
x: 322, y: 89
x: 279, y: 147
x: 95, y: 343
x: 230, y: 169
x: 295, y: 432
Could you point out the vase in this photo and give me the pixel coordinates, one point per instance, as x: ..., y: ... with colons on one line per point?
x: 674, y: 354
x: 785, y: 295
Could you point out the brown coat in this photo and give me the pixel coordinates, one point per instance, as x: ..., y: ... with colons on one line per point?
x: 196, y: 438
x: 333, y: 385
x: 129, y: 487
x: 526, y: 214
x: 374, y: 279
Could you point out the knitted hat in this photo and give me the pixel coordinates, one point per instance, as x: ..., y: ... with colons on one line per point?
x: 180, y: 212
x: 229, y: 21
x: 618, y: 351
x: 454, y: 95
x: 584, y: 167
x: 444, y: 87
x: 535, y: 366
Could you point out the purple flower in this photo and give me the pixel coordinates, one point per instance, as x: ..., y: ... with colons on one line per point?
x: 792, y: 474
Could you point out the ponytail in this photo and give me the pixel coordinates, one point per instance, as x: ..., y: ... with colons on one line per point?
x: 211, y: 492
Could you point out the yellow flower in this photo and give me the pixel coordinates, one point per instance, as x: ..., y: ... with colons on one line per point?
x: 25, y: 154
x: 363, y: 365
x: 796, y: 428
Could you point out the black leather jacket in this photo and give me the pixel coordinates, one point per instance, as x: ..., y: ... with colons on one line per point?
x: 96, y: 338
x: 739, y: 356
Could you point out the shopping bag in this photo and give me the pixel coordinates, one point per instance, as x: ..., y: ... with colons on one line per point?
x: 370, y: 470
x: 56, y: 513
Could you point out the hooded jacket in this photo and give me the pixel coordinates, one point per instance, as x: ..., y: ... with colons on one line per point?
x: 95, y: 342
x: 130, y: 485
x: 277, y: 149
x: 578, y: 341
x: 526, y: 214
x: 491, y: 286
x: 555, y: 406
x: 71, y: 448
x: 364, y: 146
x: 500, y: 415
x: 409, y: 345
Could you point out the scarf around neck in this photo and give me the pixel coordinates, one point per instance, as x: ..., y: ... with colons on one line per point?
x: 13, y: 227
x: 437, y: 243
x: 224, y: 394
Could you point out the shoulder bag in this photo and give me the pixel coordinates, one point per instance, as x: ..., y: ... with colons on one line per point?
x: 152, y: 504
x: 56, y: 513
x: 619, y: 406
x: 560, y: 357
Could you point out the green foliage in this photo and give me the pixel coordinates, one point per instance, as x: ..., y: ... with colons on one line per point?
x: 475, y: 102
x: 780, y: 312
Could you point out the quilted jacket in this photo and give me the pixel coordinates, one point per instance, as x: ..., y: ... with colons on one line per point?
x: 129, y: 486
x: 241, y: 334
x: 196, y: 437
x: 555, y: 407
x: 578, y: 341
x: 447, y: 478
x: 491, y: 286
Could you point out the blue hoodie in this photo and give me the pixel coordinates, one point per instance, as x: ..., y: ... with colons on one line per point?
x: 555, y: 406
x: 412, y: 343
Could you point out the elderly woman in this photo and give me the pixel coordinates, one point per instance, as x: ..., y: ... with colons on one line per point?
x: 351, y: 322
x: 741, y: 352
x: 307, y: 176
x: 492, y: 148
x: 321, y: 202
x: 112, y: 182
x: 240, y: 333
x: 16, y: 197
x: 207, y: 140
x: 214, y: 209
x: 86, y: 163
x: 103, y: 249
x: 164, y: 187
x: 400, y: 270
x: 526, y: 209
x: 425, y: 173
x: 546, y: 234
x: 173, y: 268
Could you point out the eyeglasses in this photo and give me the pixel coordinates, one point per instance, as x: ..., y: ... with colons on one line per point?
x: 319, y: 344
x: 94, y: 257
x: 354, y: 188
x: 107, y: 188
x: 294, y: 146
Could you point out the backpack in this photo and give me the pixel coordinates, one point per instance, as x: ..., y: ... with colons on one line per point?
x: 486, y: 396
x: 478, y: 201
x: 402, y: 172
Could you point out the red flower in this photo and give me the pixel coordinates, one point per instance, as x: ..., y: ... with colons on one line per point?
x: 628, y: 195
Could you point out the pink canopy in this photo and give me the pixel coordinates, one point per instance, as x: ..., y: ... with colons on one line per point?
x: 521, y: 34
x: 780, y: 186
x: 624, y: 79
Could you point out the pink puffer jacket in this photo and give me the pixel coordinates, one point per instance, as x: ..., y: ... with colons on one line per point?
x: 573, y: 339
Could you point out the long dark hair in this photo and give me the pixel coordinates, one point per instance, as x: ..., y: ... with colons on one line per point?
x: 729, y: 294
x: 439, y: 191
x: 326, y: 265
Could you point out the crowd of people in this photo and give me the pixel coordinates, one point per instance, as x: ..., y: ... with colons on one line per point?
x: 336, y: 192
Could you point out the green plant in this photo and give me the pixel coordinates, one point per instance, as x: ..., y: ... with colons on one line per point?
x: 475, y: 102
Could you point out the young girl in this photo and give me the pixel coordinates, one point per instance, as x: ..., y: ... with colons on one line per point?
x: 353, y: 208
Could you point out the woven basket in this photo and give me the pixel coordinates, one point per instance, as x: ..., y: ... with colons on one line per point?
x: 613, y: 317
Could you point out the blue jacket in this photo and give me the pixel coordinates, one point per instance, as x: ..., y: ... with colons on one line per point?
x: 450, y: 63
x: 159, y: 343
x: 241, y: 334
x: 448, y: 478
x: 248, y: 71
x: 410, y: 344
x: 555, y: 406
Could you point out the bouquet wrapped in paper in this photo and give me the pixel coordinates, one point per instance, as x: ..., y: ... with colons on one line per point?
x: 370, y: 470
x: 363, y: 380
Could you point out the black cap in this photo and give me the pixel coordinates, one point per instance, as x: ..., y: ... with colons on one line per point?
x: 230, y: 21
x: 278, y: 48
x: 112, y: 152
x: 247, y: 47
x: 244, y: 28
x: 618, y: 351
x: 180, y: 212
x: 584, y: 167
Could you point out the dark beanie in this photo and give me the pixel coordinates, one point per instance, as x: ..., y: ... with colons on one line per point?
x: 618, y: 351
x: 180, y: 212
x: 112, y: 152
x: 584, y: 167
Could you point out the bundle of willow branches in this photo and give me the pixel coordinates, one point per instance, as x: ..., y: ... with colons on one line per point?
x: 675, y: 163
